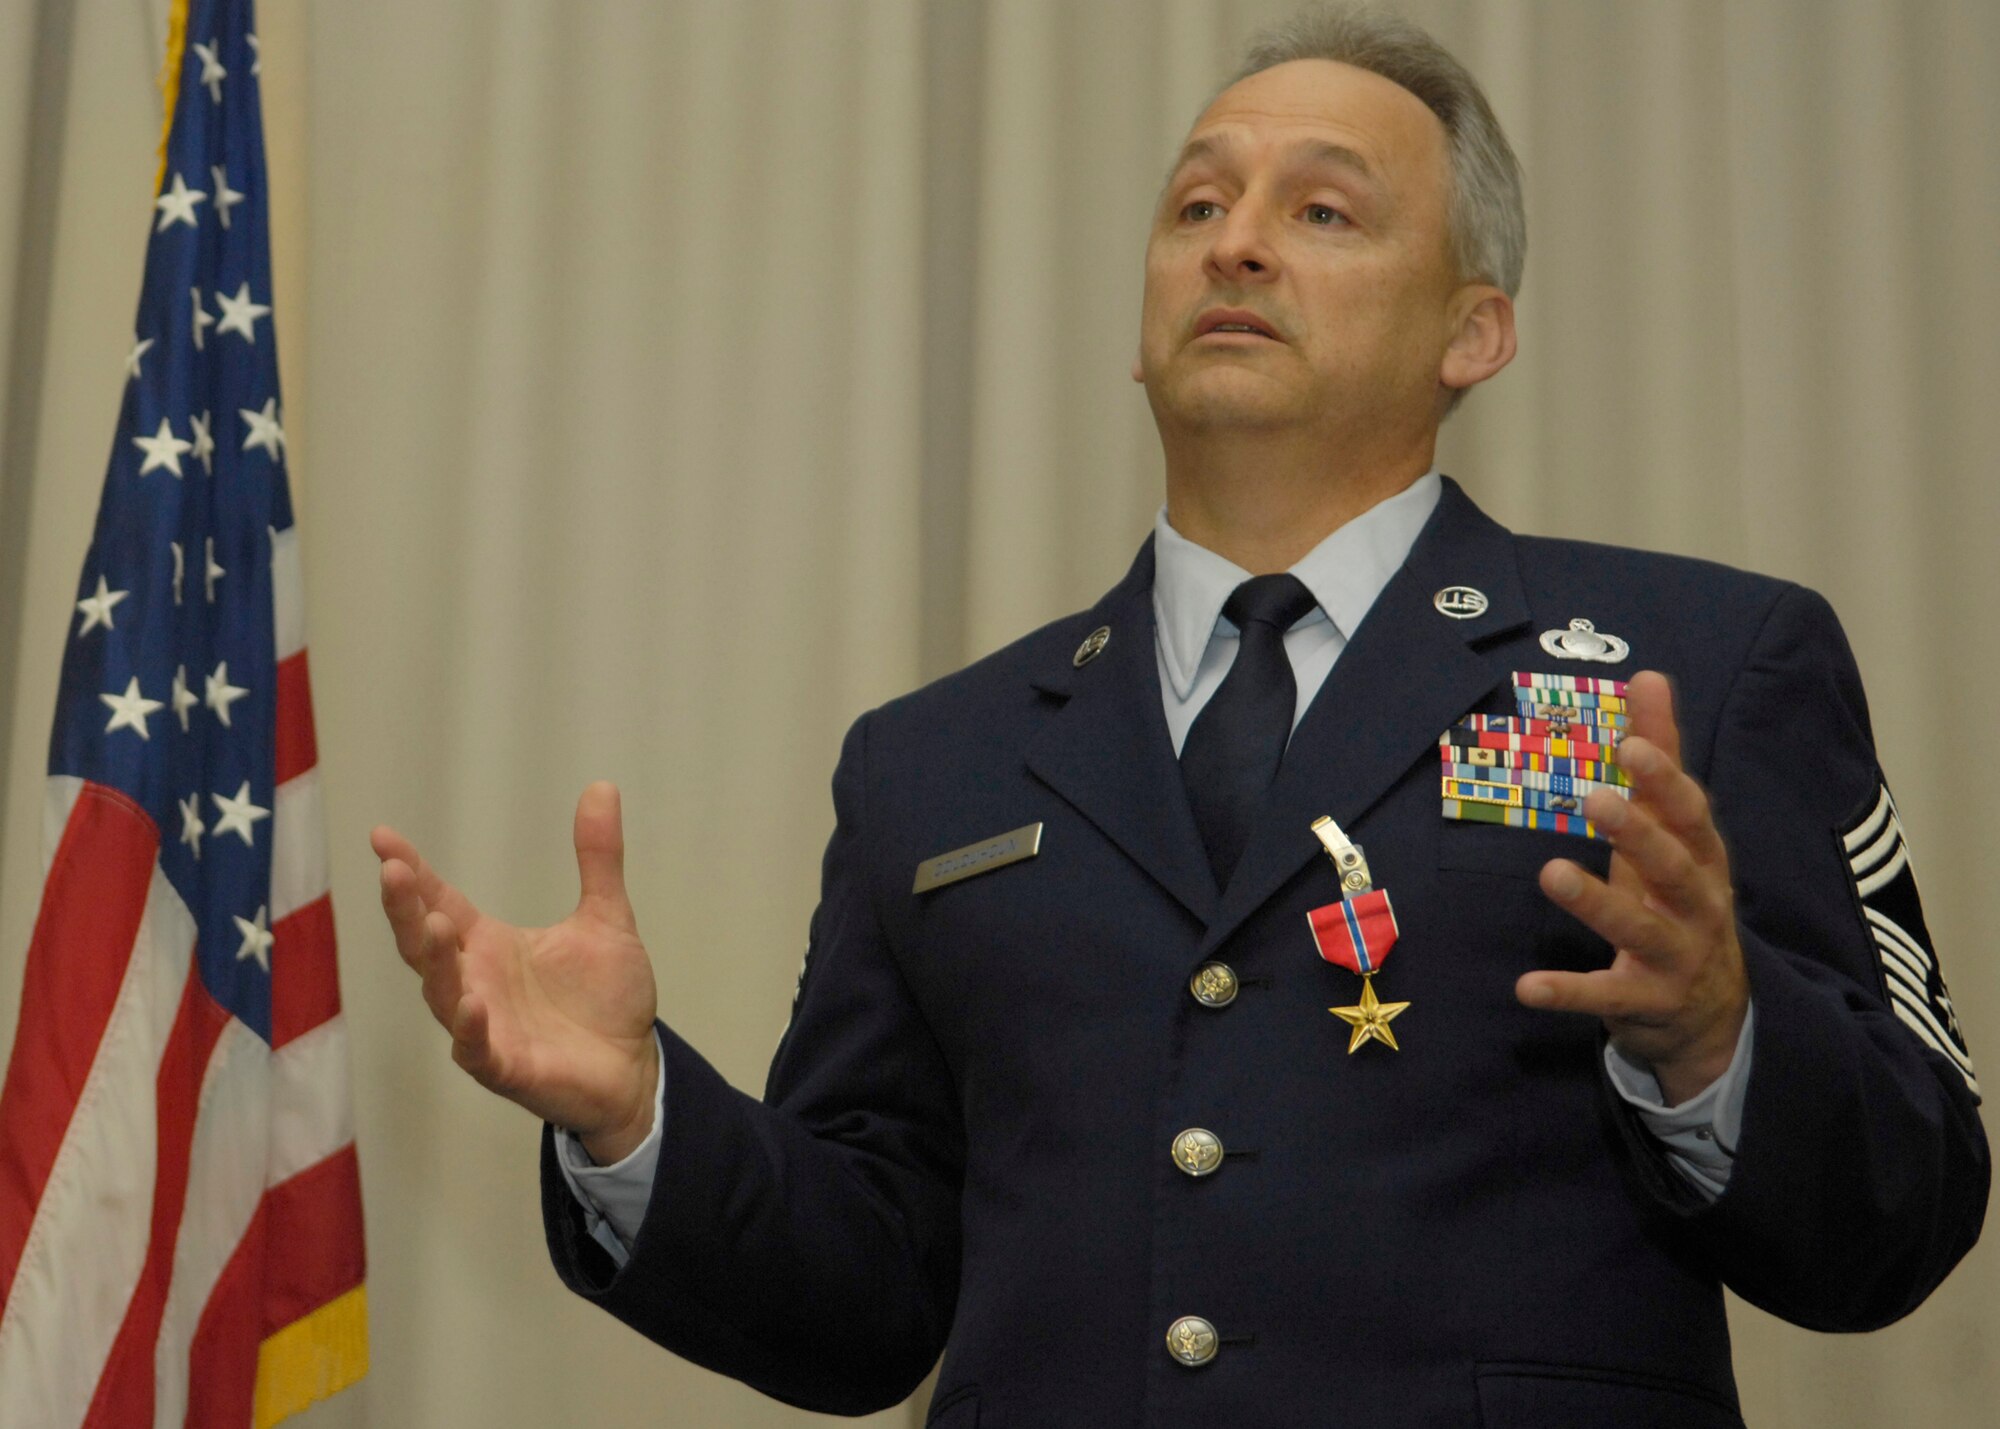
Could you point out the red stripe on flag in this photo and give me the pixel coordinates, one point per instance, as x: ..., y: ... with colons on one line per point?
x: 316, y: 1216
x: 125, y: 1390
x: 297, y: 746
x: 92, y: 902
x: 305, y: 983
x: 222, y: 1359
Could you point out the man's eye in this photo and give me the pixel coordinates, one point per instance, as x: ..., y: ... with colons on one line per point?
x: 1201, y: 210
x: 1324, y: 214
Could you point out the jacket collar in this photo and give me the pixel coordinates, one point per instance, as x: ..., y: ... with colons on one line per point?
x: 1407, y: 672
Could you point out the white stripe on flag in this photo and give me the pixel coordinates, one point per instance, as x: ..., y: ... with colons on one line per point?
x: 310, y: 1115
x: 225, y: 1185
x: 59, y: 798
x: 288, y: 593
x: 298, y: 845
x: 94, y: 1219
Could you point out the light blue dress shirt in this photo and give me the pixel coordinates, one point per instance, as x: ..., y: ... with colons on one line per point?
x: 1195, y: 646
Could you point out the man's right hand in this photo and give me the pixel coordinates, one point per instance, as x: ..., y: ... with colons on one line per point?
x: 559, y: 1019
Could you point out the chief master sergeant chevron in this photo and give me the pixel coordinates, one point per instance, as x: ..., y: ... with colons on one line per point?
x: 1109, y: 1115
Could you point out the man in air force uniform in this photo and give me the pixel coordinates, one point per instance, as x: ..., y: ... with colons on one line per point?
x: 1085, y: 1084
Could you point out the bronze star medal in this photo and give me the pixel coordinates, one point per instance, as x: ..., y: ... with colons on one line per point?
x: 1371, y: 1019
x: 1357, y: 933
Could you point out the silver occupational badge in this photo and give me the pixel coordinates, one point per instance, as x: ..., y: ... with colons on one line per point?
x: 1460, y: 602
x: 1582, y: 641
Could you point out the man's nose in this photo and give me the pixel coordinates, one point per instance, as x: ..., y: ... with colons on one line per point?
x: 1242, y: 248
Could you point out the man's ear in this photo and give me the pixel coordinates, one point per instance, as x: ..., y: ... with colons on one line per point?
x: 1484, y: 340
x: 1138, y: 369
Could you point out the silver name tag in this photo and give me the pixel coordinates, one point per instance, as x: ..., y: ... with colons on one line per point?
x: 1011, y: 847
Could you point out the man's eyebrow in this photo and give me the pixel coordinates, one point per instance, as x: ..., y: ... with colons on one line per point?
x: 1313, y: 152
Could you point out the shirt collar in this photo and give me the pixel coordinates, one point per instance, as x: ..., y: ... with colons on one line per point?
x: 1345, y: 573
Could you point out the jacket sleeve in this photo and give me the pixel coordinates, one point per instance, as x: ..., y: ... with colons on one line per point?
x: 1862, y: 1172
x: 807, y: 1244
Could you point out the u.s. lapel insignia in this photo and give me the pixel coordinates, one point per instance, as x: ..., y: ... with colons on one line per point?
x: 1093, y: 646
x: 1584, y: 641
x: 1460, y: 602
x: 1357, y: 933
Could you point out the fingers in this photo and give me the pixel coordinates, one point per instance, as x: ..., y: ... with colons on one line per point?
x: 1614, y: 914
x: 1649, y: 701
x: 1613, y: 993
x: 435, y: 892
x: 600, y: 855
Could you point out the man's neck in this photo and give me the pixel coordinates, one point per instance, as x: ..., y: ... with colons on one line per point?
x: 1264, y: 501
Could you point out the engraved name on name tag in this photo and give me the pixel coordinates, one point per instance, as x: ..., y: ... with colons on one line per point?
x: 1011, y: 847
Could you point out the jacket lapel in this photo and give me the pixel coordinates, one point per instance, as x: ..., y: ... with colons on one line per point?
x: 1407, y: 673
x: 1108, y: 753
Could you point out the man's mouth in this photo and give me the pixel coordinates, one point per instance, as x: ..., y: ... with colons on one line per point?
x: 1235, y: 321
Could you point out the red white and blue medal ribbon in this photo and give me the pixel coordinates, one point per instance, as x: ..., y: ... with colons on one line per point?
x: 1357, y: 933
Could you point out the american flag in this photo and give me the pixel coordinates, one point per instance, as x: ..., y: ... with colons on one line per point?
x: 180, y: 1205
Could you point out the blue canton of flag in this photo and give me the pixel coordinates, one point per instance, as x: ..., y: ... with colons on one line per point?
x: 169, y: 682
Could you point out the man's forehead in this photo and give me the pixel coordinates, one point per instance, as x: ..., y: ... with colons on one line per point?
x: 1319, y: 107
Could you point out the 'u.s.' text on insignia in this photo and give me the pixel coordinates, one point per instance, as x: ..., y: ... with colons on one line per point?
x: 982, y: 857
x: 1583, y: 641
x: 1093, y: 646
x: 1460, y: 602
x: 1878, y: 859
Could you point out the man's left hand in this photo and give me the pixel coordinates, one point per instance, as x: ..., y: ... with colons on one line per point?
x: 1675, y: 995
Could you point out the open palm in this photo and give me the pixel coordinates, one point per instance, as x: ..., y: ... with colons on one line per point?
x: 558, y: 1019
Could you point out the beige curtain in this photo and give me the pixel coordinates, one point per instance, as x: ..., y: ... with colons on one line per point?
x: 669, y: 382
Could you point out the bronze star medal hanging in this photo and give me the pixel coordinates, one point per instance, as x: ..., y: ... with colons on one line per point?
x: 1357, y: 933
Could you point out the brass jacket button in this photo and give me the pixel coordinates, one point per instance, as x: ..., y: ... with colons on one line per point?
x: 1213, y: 984
x: 1191, y: 1341
x: 1197, y: 1151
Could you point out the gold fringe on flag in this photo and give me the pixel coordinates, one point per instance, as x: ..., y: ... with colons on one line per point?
x: 170, y: 80
x: 312, y: 1358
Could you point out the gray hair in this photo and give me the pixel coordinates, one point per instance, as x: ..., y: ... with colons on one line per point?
x: 1488, y: 228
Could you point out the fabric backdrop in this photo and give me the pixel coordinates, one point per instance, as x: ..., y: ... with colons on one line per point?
x: 669, y: 382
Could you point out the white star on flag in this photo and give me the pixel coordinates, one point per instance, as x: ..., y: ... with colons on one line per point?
x: 97, y: 608
x: 176, y: 205
x: 192, y: 828
x: 214, y: 572
x: 256, y: 55
x: 162, y: 449
x: 184, y: 699
x: 180, y: 568
x: 139, y: 346
x: 226, y: 197
x: 238, y: 814
x: 257, y: 938
x: 204, y: 444
x: 129, y: 710
x: 221, y: 694
x: 203, y: 319
x: 264, y: 429
x: 239, y: 314
x: 212, y: 72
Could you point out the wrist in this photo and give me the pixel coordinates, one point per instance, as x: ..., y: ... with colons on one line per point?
x: 612, y: 1143
x: 1685, y: 1076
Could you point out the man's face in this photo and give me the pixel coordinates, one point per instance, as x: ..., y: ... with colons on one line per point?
x: 1309, y: 202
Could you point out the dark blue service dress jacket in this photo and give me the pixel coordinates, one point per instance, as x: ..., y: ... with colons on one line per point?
x: 965, y: 1141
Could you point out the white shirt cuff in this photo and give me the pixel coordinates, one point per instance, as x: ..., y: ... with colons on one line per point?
x: 614, y: 1197
x: 1701, y: 1134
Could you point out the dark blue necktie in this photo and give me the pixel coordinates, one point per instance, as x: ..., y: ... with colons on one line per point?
x: 1232, y: 752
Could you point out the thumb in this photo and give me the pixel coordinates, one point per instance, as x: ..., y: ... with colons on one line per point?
x: 600, y: 855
